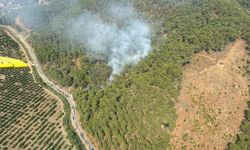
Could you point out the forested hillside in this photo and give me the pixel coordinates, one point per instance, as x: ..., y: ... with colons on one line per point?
x: 136, y: 110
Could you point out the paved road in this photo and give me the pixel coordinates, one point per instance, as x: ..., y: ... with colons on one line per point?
x: 74, y: 115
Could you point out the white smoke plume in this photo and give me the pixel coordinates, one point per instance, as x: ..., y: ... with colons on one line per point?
x: 124, y: 40
x: 115, y: 32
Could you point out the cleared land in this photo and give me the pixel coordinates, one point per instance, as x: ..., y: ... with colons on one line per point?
x: 30, y: 117
x: 212, y: 99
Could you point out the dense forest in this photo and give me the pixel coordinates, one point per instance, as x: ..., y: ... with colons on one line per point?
x: 136, y: 110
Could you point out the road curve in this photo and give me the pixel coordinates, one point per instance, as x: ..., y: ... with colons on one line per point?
x: 74, y: 115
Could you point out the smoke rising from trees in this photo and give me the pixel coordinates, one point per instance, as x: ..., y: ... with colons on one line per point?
x: 124, y: 40
x: 117, y: 32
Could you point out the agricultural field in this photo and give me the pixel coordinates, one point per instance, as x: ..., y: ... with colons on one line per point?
x: 30, y: 116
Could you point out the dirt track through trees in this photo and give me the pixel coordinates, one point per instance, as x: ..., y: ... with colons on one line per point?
x: 212, y: 100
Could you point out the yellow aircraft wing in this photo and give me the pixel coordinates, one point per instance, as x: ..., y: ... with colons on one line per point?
x: 6, y: 62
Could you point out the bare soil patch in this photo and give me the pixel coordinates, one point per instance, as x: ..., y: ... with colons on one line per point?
x: 2, y: 77
x: 78, y: 63
x: 212, y: 100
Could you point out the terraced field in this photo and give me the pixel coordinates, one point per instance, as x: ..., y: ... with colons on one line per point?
x: 30, y: 117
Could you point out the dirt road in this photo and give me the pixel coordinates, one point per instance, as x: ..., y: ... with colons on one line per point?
x: 74, y: 115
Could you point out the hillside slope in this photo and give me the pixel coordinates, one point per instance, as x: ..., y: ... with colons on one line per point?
x: 137, y: 110
x: 215, y: 93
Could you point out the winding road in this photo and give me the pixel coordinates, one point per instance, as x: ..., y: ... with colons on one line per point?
x: 34, y: 62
